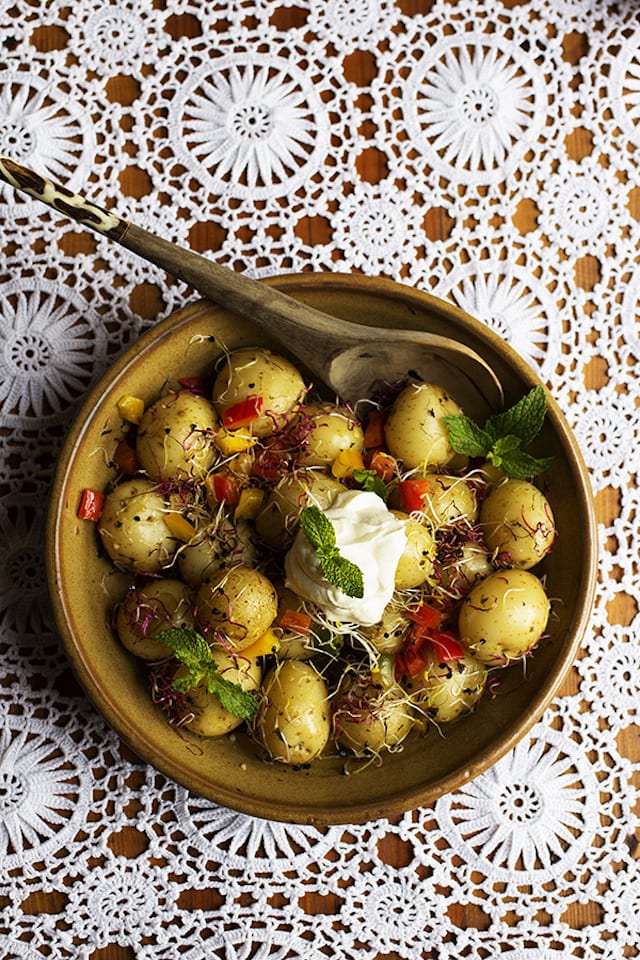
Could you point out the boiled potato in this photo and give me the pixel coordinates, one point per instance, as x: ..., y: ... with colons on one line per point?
x: 294, y: 723
x: 446, y: 691
x: 175, y: 437
x: 133, y: 530
x: 469, y: 563
x: 146, y: 611
x: 518, y: 523
x: 326, y: 430
x: 388, y: 635
x: 416, y: 562
x: 504, y: 616
x: 449, y: 500
x: 277, y: 521
x: 207, y: 716
x: 489, y: 476
x: 415, y: 430
x: 221, y: 544
x: 236, y: 608
x: 252, y: 372
x: 369, y: 719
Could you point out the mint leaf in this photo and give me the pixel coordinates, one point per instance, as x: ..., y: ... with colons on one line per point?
x: 191, y: 649
x: 239, y: 702
x: 520, y: 465
x: 502, y: 449
x: 524, y: 420
x: 319, y: 531
x: 339, y: 571
x: 503, y: 436
x: 466, y: 437
x: 342, y: 573
x: 371, y: 482
x: 188, y: 646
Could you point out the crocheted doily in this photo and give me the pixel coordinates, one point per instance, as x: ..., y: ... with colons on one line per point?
x: 235, y: 127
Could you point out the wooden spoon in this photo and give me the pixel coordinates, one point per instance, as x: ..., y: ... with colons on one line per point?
x: 345, y: 356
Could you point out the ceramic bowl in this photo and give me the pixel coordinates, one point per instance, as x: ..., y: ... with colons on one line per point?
x: 229, y: 770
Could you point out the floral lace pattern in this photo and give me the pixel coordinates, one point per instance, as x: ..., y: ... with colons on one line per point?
x: 482, y: 151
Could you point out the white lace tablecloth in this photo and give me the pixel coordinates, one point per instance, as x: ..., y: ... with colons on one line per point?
x: 220, y: 127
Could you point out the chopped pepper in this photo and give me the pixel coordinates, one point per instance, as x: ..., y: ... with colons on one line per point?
x: 130, y: 408
x: 346, y: 463
x: 297, y: 621
x: 243, y: 413
x: 413, y: 493
x: 179, y: 526
x: 91, y: 504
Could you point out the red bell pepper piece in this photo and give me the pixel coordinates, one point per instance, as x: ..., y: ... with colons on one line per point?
x: 295, y: 620
x: 409, y: 661
x: 90, y: 504
x: 243, y: 413
x: 125, y: 459
x: 226, y: 489
x: 384, y: 465
x: 193, y: 384
x: 446, y: 646
x: 413, y: 493
x: 374, y: 431
x: 425, y: 616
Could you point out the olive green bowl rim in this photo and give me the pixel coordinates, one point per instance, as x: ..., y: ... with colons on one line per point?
x: 399, y: 801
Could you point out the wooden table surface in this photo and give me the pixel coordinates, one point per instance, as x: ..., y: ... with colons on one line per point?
x: 121, y: 89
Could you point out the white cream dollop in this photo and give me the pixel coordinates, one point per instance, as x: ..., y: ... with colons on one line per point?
x: 368, y: 535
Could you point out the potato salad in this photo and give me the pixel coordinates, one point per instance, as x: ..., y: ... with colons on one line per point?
x: 331, y: 580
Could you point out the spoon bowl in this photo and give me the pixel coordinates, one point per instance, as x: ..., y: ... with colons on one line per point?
x: 332, y: 349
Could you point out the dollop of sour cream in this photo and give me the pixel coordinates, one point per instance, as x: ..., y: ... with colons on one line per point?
x: 368, y: 535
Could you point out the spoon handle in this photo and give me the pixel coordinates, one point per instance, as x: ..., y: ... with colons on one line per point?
x: 317, y: 339
x: 284, y: 317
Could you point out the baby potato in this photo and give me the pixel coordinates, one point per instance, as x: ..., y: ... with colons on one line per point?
x: 236, y: 608
x: 175, y: 437
x: 415, y: 431
x: 277, y: 521
x: 469, y: 563
x: 133, y: 530
x: 416, y: 562
x: 252, y: 372
x: 208, y: 718
x: 326, y: 431
x: 216, y: 547
x: 446, y: 691
x: 449, y: 499
x: 518, y: 523
x: 369, y: 719
x: 388, y: 635
x: 504, y: 616
x: 294, y: 723
x: 146, y: 611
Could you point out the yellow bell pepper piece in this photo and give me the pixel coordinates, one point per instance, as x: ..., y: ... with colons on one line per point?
x: 179, y: 526
x: 233, y: 441
x: 268, y: 643
x: 346, y: 462
x: 130, y: 408
x: 249, y: 504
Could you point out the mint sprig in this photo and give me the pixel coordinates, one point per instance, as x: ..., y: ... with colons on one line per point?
x: 371, y: 482
x: 191, y: 649
x: 338, y: 570
x: 502, y: 438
